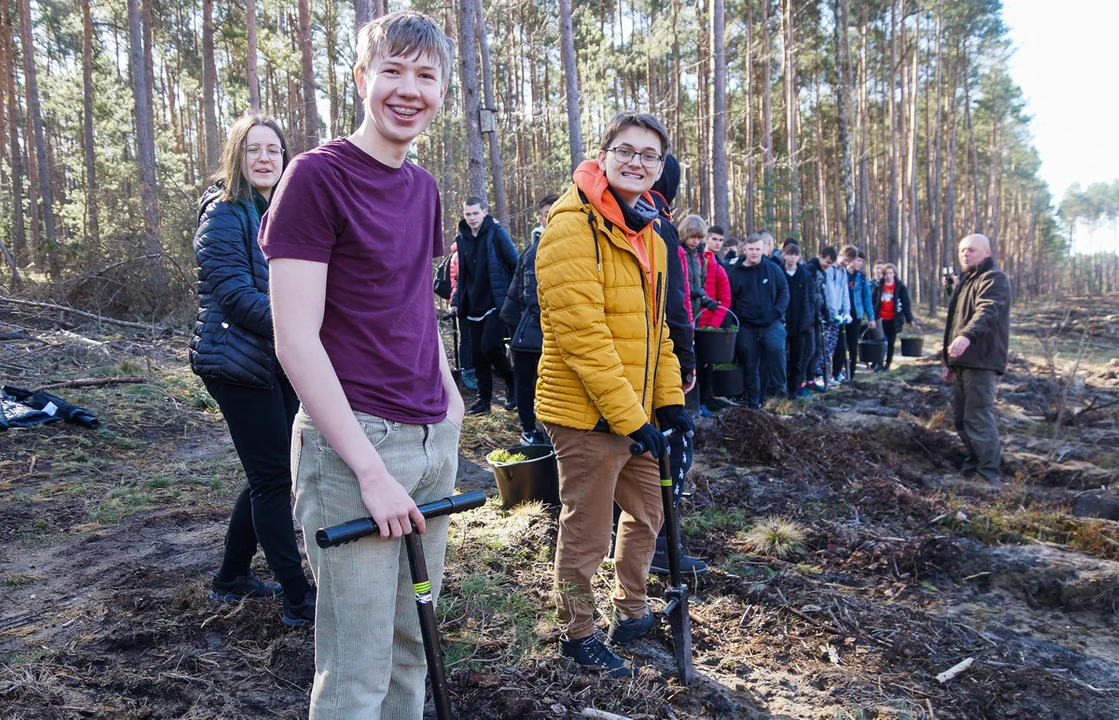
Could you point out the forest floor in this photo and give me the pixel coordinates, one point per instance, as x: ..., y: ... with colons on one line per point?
x: 108, y: 539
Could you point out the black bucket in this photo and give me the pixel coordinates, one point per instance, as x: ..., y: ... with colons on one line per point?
x: 913, y: 346
x: 872, y: 352
x: 728, y: 382
x: 715, y: 345
x: 534, y: 479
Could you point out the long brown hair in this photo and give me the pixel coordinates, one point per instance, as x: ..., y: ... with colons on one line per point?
x: 229, y: 171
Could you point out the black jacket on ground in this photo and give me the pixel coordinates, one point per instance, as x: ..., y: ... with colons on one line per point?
x: 521, y: 310
x: 980, y: 311
x: 680, y: 330
x: 901, y: 300
x: 232, y: 340
x: 759, y: 293
x: 798, y: 315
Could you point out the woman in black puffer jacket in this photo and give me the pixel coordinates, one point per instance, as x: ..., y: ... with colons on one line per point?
x: 232, y: 352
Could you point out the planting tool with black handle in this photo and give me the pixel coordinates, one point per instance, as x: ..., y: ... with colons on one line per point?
x: 456, y: 371
x: 823, y: 352
x: 676, y: 596
x: 429, y: 630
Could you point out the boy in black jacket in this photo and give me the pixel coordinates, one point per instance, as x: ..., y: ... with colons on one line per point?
x: 521, y: 312
x: 759, y: 296
x: 798, y: 319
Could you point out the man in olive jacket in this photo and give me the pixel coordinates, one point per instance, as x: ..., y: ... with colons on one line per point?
x: 976, y: 339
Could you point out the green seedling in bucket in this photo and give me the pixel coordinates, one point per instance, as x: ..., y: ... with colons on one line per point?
x: 502, y: 456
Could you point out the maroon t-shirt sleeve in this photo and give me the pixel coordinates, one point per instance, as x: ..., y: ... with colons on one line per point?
x: 300, y: 222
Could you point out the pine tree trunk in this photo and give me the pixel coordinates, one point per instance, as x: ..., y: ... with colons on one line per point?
x: 468, y: 73
x: 310, y: 104
x: 843, y: 73
x: 209, y: 78
x: 363, y: 13
x: 250, y: 61
x: 792, y: 113
x: 719, y: 121
x: 863, y: 123
x: 751, y: 189
x: 496, y: 172
x: 447, y: 186
x: 46, y: 193
x: 824, y: 226
x: 571, y: 83
x: 145, y: 142
x: 936, y: 247
x: 93, y: 228
x: 892, y: 230
x: 19, y: 232
x: 702, y: 200
x: 330, y: 22
x: 768, y: 178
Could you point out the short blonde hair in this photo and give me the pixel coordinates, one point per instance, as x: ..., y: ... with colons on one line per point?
x: 891, y: 267
x: 693, y: 226
x: 404, y: 34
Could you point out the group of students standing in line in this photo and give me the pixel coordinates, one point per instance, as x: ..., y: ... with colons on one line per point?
x: 799, y: 320
x: 318, y: 339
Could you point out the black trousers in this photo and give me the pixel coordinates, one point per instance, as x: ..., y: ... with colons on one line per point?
x: 797, y: 350
x: 890, y: 328
x: 487, y: 352
x: 848, y: 347
x: 524, y: 374
x: 259, y: 422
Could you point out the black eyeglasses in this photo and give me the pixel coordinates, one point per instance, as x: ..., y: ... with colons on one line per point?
x: 625, y: 154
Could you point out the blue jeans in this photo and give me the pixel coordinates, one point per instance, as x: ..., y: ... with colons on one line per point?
x: 753, y: 343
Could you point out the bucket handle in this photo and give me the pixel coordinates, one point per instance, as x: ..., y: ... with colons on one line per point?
x: 731, y: 313
x: 920, y: 329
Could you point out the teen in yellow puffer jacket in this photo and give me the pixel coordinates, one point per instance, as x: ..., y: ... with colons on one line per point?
x: 607, y: 370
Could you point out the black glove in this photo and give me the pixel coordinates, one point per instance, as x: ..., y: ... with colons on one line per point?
x: 675, y: 417
x: 711, y: 304
x: 653, y: 439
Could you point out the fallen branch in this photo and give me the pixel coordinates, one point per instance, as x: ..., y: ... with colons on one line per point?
x: 834, y: 629
x: 601, y: 714
x: 955, y: 670
x: 93, y: 382
x: 93, y: 316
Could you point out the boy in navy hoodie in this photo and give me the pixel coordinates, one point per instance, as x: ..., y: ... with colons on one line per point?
x: 759, y: 297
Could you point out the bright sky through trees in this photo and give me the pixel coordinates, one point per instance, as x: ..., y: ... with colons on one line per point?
x: 1064, y: 62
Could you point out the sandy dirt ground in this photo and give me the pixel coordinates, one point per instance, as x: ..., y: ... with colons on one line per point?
x: 896, y: 568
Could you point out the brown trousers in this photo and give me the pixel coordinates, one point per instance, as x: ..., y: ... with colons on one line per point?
x: 596, y: 469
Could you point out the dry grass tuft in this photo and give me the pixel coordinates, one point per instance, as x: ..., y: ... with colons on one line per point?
x: 777, y: 537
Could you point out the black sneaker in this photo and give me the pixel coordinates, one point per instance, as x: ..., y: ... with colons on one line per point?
x: 535, y: 437
x: 510, y: 404
x: 480, y: 407
x: 714, y: 404
x: 624, y: 631
x: 242, y: 587
x: 688, y: 565
x: 592, y: 652
x: 301, y: 614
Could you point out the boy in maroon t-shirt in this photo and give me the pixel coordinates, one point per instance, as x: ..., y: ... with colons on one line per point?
x: 351, y: 235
